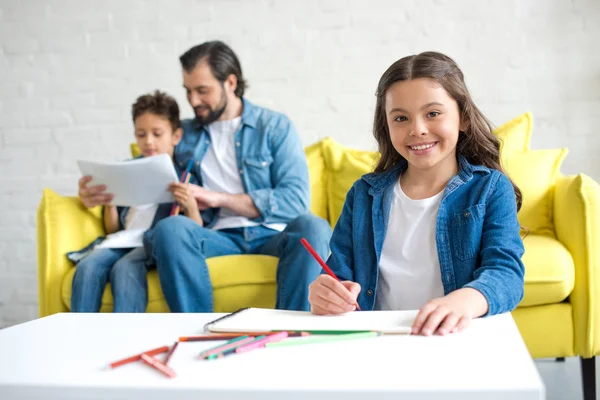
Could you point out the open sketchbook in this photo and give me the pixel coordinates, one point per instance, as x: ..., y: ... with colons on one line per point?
x: 135, y: 182
x: 265, y: 320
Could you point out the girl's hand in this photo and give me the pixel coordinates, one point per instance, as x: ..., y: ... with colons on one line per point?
x: 328, y: 296
x: 451, y: 313
x: 183, y: 195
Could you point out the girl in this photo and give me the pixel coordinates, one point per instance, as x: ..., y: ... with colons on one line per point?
x: 157, y: 131
x: 435, y: 226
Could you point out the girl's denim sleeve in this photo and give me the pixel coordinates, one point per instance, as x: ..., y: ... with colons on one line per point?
x: 341, y: 260
x: 290, y: 195
x: 500, y: 276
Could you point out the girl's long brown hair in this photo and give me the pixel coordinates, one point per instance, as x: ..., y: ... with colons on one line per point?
x: 477, y: 143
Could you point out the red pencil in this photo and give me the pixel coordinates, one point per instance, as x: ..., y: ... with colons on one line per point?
x: 127, y: 360
x: 320, y: 261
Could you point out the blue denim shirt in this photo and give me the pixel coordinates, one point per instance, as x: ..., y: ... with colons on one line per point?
x: 270, y: 160
x: 477, y: 235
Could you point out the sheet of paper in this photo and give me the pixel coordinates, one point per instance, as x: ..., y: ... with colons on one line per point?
x: 123, y: 239
x: 136, y: 182
x: 259, y: 320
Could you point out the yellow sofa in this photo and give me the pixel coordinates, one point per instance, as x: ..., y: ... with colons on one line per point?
x: 557, y: 316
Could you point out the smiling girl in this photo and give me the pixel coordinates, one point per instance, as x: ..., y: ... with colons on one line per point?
x: 435, y: 227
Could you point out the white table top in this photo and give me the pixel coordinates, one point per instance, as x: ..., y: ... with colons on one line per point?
x: 63, y: 356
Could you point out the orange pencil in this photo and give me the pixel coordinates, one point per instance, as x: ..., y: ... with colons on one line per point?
x: 323, y: 264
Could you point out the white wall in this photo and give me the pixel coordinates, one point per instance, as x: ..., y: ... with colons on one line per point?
x: 70, y: 70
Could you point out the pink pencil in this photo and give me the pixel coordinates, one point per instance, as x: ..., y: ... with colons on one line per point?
x: 276, y: 337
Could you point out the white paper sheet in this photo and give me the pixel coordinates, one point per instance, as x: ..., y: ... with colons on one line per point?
x: 136, y: 182
x: 260, y: 320
x: 123, y: 239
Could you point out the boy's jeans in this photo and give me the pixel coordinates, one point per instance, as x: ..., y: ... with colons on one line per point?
x: 180, y: 247
x: 124, y: 268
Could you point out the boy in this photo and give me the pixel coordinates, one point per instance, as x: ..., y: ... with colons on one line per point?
x: 157, y: 131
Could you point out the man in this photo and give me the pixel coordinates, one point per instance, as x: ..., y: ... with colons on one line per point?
x: 253, y: 192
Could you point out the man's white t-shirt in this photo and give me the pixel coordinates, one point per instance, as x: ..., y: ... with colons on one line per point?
x: 220, y: 172
x: 409, y: 268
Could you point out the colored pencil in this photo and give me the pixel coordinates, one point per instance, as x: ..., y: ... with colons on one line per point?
x: 323, y: 264
x: 230, y: 344
x: 127, y: 360
x: 323, y: 339
x: 185, y: 178
x: 154, y: 363
x: 228, y: 336
x: 170, y: 353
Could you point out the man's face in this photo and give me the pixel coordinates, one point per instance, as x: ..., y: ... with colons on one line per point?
x: 205, y: 93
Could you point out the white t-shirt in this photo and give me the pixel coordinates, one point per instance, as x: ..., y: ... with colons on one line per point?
x: 220, y: 172
x: 137, y: 221
x: 409, y: 268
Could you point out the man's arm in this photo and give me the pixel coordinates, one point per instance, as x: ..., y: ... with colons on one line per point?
x: 289, y: 196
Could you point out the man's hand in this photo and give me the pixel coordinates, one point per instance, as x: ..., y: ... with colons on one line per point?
x: 205, y: 198
x: 93, y: 196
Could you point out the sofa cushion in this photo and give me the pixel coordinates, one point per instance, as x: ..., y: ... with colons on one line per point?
x: 535, y: 173
x: 318, y: 179
x: 238, y: 281
x: 345, y: 166
x: 549, y: 271
x: 515, y: 135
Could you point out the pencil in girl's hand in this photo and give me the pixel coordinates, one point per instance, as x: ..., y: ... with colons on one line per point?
x: 185, y: 178
x: 323, y: 264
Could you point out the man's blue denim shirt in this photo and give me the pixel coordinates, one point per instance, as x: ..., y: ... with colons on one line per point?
x: 270, y: 160
x: 477, y: 235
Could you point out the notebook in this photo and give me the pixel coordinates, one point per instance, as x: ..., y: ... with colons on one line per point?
x: 266, y: 320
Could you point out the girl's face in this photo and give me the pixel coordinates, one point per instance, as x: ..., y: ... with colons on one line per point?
x: 424, y: 123
x: 154, y: 135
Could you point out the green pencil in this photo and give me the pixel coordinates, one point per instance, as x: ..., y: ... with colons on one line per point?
x: 322, y: 339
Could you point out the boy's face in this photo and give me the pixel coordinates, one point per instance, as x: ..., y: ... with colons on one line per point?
x: 154, y: 135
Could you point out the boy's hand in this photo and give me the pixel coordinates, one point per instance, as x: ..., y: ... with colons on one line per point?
x: 94, y: 195
x: 328, y: 296
x: 183, y: 195
x: 451, y: 313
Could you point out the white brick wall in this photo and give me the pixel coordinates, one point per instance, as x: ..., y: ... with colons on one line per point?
x: 71, y: 69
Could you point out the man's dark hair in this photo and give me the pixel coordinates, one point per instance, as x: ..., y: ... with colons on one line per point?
x: 158, y: 103
x: 221, y: 60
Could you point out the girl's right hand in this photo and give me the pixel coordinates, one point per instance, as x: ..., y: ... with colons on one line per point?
x: 328, y: 296
x: 94, y: 195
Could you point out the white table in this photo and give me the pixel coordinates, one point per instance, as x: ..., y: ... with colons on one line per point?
x: 62, y: 357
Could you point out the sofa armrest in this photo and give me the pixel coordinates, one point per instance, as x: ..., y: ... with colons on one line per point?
x: 577, y: 225
x: 63, y: 225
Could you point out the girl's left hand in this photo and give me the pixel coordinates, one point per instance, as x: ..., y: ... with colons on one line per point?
x: 183, y: 195
x: 451, y: 313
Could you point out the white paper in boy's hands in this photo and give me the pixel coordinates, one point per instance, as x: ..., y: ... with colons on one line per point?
x: 135, y: 182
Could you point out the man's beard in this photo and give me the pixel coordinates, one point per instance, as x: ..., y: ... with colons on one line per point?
x: 213, y: 115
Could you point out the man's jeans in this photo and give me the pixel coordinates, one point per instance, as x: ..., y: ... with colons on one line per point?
x: 124, y: 268
x: 180, y: 247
